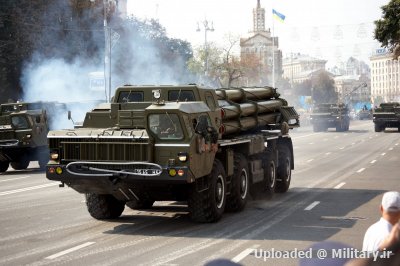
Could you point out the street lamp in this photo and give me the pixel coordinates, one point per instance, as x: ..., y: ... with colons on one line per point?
x: 206, y: 29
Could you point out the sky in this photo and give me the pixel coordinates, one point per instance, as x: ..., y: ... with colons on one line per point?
x: 329, y: 29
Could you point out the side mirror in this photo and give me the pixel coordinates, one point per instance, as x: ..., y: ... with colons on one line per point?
x: 69, y: 115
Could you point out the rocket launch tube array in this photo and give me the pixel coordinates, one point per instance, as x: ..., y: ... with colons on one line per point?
x: 247, y: 108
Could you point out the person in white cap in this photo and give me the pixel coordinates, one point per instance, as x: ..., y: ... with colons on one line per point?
x: 380, y: 231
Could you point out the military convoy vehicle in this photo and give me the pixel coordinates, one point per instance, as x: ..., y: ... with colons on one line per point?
x: 210, y: 148
x: 328, y: 115
x: 364, y: 114
x: 387, y: 115
x: 23, y: 134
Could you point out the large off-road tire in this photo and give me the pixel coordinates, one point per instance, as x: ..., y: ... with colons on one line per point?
x: 3, y: 166
x: 43, y: 162
x: 104, y: 206
x: 21, y: 164
x: 140, y: 204
x: 339, y: 127
x: 378, y: 128
x: 208, y: 205
x: 270, y: 175
x: 284, y: 169
x: 237, y: 199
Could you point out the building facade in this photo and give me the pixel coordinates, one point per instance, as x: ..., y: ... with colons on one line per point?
x: 385, y: 77
x: 264, y: 48
x: 354, y: 90
x: 298, y: 68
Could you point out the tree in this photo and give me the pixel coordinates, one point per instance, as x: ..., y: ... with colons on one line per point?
x: 33, y: 32
x: 387, y: 29
x: 323, y: 88
x: 225, y: 69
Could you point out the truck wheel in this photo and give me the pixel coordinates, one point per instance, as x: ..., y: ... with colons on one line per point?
x: 378, y: 128
x: 43, y: 162
x: 316, y: 128
x: 240, y: 184
x: 284, y: 169
x: 3, y: 166
x: 209, y: 205
x: 104, y: 206
x: 339, y: 128
x: 270, y: 180
x: 20, y: 165
x: 140, y: 204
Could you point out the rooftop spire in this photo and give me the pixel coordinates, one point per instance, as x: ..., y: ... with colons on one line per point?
x: 258, y: 4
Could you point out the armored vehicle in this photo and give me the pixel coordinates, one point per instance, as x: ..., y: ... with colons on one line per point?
x: 364, y: 114
x: 23, y: 134
x: 207, y: 147
x: 387, y: 115
x: 328, y: 115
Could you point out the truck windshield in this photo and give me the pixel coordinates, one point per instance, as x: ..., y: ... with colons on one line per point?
x: 165, y: 126
x: 19, y: 122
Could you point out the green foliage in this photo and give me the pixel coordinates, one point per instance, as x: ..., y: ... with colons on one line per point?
x: 323, y: 88
x: 387, y: 29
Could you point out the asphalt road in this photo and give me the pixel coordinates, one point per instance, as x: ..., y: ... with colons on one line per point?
x: 336, y: 189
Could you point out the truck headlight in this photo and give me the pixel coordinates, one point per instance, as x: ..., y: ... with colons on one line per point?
x: 54, y: 155
x: 183, y: 156
x: 28, y: 136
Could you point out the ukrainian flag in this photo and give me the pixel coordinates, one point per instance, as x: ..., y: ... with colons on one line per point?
x: 278, y: 16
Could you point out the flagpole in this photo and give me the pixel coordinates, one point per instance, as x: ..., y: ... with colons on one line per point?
x: 273, y: 54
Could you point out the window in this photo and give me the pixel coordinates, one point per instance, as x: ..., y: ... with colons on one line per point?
x: 130, y: 96
x: 165, y: 126
x: 19, y: 122
x: 181, y: 95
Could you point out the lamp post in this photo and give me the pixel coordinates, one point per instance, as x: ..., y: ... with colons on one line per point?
x: 207, y: 28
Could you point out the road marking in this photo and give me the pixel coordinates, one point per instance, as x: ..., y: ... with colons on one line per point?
x: 325, y: 139
x: 327, y: 153
x: 22, y: 177
x: 341, y: 148
x: 311, y: 143
x: 396, y: 144
x: 390, y: 149
x: 26, y: 189
x: 340, y: 185
x: 305, y: 136
x: 62, y: 253
x: 312, y: 205
x: 336, y: 137
x: 383, y: 154
x: 353, y: 143
x: 244, y: 254
x: 309, y: 161
x: 373, y: 161
x: 360, y: 170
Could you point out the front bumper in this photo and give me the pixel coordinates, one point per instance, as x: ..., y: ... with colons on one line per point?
x: 92, y: 173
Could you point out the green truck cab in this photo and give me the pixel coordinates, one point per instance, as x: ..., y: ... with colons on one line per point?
x: 23, y: 135
x: 210, y: 148
x: 386, y: 115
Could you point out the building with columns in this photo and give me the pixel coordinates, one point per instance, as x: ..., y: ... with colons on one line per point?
x: 262, y: 47
x: 385, y: 77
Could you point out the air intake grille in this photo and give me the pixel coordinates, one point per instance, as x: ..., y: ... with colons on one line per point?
x: 87, y: 149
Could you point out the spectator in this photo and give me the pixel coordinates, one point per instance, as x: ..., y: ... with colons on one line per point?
x: 379, y: 231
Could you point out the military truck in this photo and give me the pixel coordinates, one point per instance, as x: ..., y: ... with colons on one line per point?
x: 387, y: 115
x: 207, y: 147
x: 23, y: 134
x: 328, y: 115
